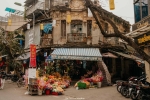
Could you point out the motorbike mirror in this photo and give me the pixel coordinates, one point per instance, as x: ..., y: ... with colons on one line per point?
x: 143, y: 73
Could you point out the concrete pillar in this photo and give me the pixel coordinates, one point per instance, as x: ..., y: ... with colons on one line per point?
x: 147, y: 65
x: 84, y: 28
x: 147, y: 70
x: 68, y: 29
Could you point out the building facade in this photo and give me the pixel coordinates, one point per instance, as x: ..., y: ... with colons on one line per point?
x: 68, y: 27
x: 140, y: 30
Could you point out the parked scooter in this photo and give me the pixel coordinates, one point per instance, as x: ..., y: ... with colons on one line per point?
x: 141, y: 92
x: 127, y: 87
x: 15, y: 78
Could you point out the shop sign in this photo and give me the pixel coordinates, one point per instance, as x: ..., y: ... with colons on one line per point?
x: 76, y: 57
x: 32, y: 55
x: 31, y: 73
x: 142, y: 39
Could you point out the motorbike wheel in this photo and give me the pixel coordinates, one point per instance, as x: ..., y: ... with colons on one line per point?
x: 124, y: 91
x: 133, y: 95
x: 141, y: 96
x: 119, y: 88
x: 18, y: 84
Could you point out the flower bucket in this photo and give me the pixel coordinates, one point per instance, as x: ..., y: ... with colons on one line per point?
x: 40, y: 91
x: 99, y: 84
x: 47, y: 91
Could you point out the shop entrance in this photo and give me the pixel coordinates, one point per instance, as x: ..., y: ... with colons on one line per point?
x: 76, y: 69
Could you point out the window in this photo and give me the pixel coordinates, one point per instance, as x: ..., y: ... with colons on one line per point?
x: 76, y: 26
x: 137, y: 11
x: 89, y: 27
x: 140, y: 9
x: 144, y: 4
x: 63, y: 28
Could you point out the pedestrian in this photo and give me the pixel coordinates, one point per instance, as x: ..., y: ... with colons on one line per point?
x: 2, y: 79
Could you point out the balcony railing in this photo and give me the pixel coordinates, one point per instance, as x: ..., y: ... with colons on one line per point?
x: 61, y: 2
x: 46, y: 40
x: 76, y: 37
x: 37, y: 6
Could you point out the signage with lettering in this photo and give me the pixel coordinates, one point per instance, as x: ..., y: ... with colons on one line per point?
x: 142, y: 39
x: 32, y: 55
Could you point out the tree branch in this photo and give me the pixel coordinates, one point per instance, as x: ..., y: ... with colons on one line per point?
x: 117, y: 32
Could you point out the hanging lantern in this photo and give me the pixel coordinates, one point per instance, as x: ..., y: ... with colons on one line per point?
x: 9, y: 22
x: 41, y: 26
x: 28, y: 26
x: 111, y: 4
x: 68, y: 18
x: 54, y: 23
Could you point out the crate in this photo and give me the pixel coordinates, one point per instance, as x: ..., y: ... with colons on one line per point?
x: 32, y: 80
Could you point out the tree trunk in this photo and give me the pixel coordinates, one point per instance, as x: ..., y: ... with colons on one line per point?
x: 116, y: 33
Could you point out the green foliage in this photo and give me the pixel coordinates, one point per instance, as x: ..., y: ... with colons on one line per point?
x: 9, y: 46
x: 41, y: 72
x: 50, y: 68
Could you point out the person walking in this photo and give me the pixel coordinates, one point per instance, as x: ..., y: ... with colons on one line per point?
x: 2, y: 79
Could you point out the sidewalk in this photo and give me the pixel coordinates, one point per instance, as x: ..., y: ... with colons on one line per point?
x: 12, y: 92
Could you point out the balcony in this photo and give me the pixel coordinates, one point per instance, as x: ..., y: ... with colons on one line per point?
x: 46, y: 40
x: 61, y: 3
x: 39, y: 6
x: 76, y: 37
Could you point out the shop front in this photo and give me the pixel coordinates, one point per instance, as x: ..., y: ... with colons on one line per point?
x: 77, y: 62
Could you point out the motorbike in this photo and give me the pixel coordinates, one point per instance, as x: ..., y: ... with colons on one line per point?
x: 127, y: 87
x: 142, y: 92
x: 139, y: 92
x: 14, y: 78
x: 21, y: 82
x: 119, y: 85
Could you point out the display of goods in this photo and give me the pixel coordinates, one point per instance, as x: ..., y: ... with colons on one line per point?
x: 32, y: 80
x: 40, y: 92
x: 47, y: 91
x: 81, y: 85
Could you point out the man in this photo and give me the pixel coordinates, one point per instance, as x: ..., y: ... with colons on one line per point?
x: 2, y: 79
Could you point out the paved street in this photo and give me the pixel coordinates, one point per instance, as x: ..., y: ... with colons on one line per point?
x: 12, y: 92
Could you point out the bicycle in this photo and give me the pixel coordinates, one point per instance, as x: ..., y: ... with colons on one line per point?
x: 21, y: 82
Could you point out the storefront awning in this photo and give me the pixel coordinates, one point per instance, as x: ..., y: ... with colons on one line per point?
x: 109, y: 55
x: 91, y: 54
x: 130, y: 56
x: 25, y: 56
